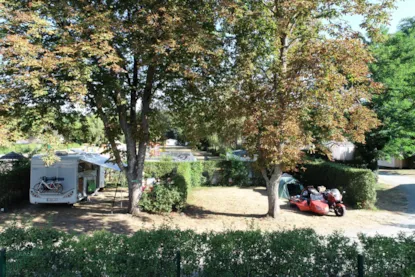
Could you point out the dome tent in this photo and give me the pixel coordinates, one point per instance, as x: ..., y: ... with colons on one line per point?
x: 289, y: 186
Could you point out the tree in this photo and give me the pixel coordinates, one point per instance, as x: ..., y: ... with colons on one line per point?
x: 111, y: 58
x: 394, y: 66
x: 301, y: 76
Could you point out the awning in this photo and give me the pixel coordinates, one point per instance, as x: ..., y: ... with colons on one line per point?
x: 99, y: 160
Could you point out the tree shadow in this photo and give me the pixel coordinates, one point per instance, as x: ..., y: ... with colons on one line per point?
x: 83, y: 217
x: 262, y: 191
x: 390, y: 173
x: 198, y: 212
x: 393, y: 199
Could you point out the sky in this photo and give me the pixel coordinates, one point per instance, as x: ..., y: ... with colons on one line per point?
x: 405, y: 8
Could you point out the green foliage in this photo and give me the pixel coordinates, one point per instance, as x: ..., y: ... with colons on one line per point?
x: 209, y: 170
x: 235, y: 173
x: 183, y: 179
x: 161, y: 169
x: 387, y: 254
x: 301, y: 252
x: 394, y: 67
x: 197, y: 174
x: 208, y: 173
x: 20, y: 148
x: 171, y: 193
x: 359, y: 184
x: 163, y: 198
x: 14, y: 182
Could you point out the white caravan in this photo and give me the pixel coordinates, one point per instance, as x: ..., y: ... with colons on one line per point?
x: 76, y: 175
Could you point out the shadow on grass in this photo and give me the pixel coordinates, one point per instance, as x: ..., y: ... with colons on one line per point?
x: 393, y: 199
x: 199, y: 212
x: 84, y: 217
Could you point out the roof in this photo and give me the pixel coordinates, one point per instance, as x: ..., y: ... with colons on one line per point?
x: 12, y: 156
x: 93, y: 158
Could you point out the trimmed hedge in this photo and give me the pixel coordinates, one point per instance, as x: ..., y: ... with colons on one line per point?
x: 301, y: 252
x: 359, y: 184
x: 204, y: 173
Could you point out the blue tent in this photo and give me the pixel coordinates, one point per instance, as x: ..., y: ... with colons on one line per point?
x: 288, y: 186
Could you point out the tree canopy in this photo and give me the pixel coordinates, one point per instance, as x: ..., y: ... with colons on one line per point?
x: 394, y: 66
x: 288, y: 74
x: 301, y: 77
x: 115, y: 59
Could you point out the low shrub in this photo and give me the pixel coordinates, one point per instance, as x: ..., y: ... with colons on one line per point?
x: 359, y: 184
x: 163, y: 198
x: 300, y: 252
x: 169, y: 195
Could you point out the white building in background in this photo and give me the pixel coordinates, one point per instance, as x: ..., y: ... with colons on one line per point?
x: 341, y: 151
x: 171, y: 142
x: 393, y: 163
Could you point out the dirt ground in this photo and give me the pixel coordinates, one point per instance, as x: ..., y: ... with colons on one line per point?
x: 209, y: 209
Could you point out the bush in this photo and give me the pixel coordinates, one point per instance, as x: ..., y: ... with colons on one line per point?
x: 210, y: 169
x: 359, y: 184
x: 237, y: 171
x: 161, y: 199
x: 14, y: 183
x: 301, y: 252
x: 165, y: 197
x: 183, y: 179
x: 161, y: 169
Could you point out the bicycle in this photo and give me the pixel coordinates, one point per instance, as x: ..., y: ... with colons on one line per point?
x: 52, y: 184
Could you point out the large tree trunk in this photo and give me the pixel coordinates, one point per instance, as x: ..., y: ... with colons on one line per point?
x: 134, y: 192
x: 136, y: 172
x: 134, y: 187
x: 272, y: 182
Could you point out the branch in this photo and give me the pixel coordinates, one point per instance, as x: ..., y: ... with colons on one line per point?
x: 126, y: 128
x: 146, y: 99
x: 134, y: 96
x: 110, y: 137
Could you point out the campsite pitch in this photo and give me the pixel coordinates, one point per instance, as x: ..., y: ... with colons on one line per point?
x: 209, y: 209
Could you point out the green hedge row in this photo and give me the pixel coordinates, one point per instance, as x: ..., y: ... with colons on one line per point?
x: 47, y: 252
x: 359, y: 184
x: 205, y: 173
x: 14, y: 182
